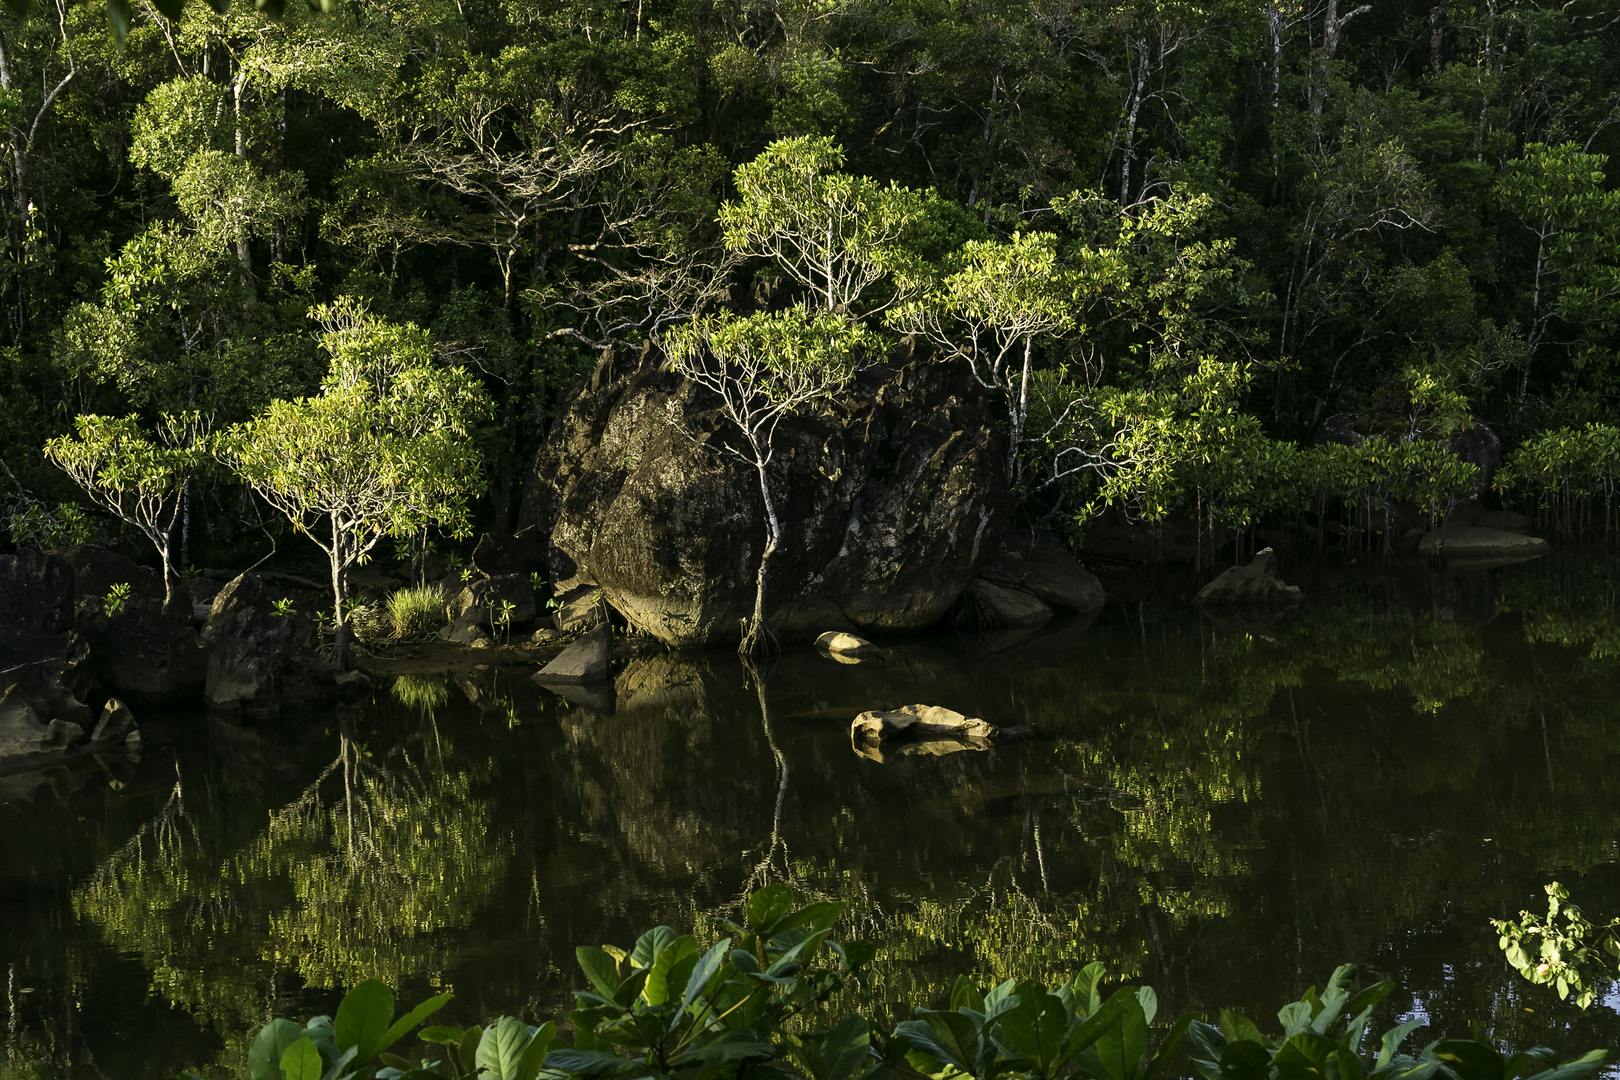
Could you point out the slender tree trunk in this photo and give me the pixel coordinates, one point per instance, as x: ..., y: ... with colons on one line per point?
x: 1020, y: 416
x: 756, y: 638
x: 340, y: 620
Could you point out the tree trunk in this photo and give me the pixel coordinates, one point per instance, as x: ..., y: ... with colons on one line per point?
x: 756, y: 639
x: 340, y: 621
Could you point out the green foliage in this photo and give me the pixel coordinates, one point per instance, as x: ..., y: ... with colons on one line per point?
x: 117, y: 596
x: 34, y: 526
x: 385, y: 449
x: 1572, y: 950
x: 416, y: 611
x: 760, y: 997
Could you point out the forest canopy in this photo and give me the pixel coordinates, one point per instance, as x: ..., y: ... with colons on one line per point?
x: 1175, y: 242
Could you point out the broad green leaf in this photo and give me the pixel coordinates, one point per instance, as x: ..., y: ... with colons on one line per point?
x: 965, y: 995
x: 407, y: 1023
x: 600, y: 968
x: 706, y: 969
x: 658, y: 989
x: 846, y: 1050
x: 764, y: 907
x: 302, y: 1062
x: 730, y: 1046
x: 949, y: 1037
x: 1035, y: 1029
x: 363, y: 1018
x: 650, y: 944
x: 504, y: 1049
x: 1392, y: 1039
x: 268, y: 1046
x: 1122, y: 1045
x: 591, y: 1063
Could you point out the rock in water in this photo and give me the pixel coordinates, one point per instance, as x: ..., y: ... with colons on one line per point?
x: 116, y: 722
x: 847, y: 646
x: 1036, y: 563
x: 987, y: 603
x: 919, y: 721
x: 1256, y: 583
x: 24, y: 732
x: 1474, y: 542
x: 588, y: 660
x: 888, y: 499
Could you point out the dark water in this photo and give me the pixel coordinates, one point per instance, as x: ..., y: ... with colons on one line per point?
x: 1222, y: 811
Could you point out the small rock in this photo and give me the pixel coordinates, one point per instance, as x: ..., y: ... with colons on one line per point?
x: 465, y: 631
x: 587, y: 660
x: 582, y: 609
x: 1411, y: 538
x: 1256, y: 583
x: 847, y: 647
x: 1474, y: 542
x: 919, y: 721
x: 990, y: 604
x: 543, y: 637
x: 116, y: 722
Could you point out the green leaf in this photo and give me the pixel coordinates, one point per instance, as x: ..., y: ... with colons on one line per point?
x: 730, y: 1046
x: 650, y: 944
x: 1392, y: 1039
x: 407, y: 1023
x: 504, y: 1051
x: 600, y: 968
x: 268, y: 1046
x: 1121, y: 1047
x: 302, y: 1062
x: 846, y: 1049
x: 1036, y: 1028
x: 363, y: 1019
x: 764, y: 907
x: 591, y: 1063
x: 706, y: 968
x: 1304, y: 1055
x: 949, y: 1037
x: 664, y: 970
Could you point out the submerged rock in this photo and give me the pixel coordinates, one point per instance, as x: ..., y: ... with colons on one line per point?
x: 847, y: 647
x: 1257, y: 583
x: 588, y: 660
x: 888, y: 499
x: 1036, y: 563
x: 921, y: 730
x: 987, y: 603
x: 1476, y: 542
x: 23, y: 732
x: 116, y: 723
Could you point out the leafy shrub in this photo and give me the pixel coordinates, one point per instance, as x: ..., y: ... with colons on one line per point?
x: 416, y: 611
x: 758, y: 999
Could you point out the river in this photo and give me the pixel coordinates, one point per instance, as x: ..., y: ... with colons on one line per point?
x: 1222, y: 809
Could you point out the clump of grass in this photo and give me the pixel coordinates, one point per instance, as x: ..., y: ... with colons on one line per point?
x: 416, y: 610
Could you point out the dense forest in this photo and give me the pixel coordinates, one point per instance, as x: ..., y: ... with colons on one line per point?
x: 1210, y: 259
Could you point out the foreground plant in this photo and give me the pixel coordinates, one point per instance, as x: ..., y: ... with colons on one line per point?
x: 1565, y: 950
x: 764, y: 996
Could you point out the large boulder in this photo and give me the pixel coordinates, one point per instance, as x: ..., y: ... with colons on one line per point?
x: 96, y: 570
x: 1036, y: 563
x: 888, y: 500
x: 1257, y: 583
x: 143, y: 654
x: 260, y: 662
x: 36, y: 601
x: 56, y: 686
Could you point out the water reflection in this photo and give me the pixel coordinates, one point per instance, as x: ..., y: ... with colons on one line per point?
x: 1225, y: 811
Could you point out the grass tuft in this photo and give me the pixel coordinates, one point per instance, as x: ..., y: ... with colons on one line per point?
x: 416, y: 611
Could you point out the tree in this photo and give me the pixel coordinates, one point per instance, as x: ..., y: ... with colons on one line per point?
x: 1557, y: 193
x: 989, y: 313
x: 384, y: 450
x: 835, y: 234
x: 136, y: 478
x: 765, y: 367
